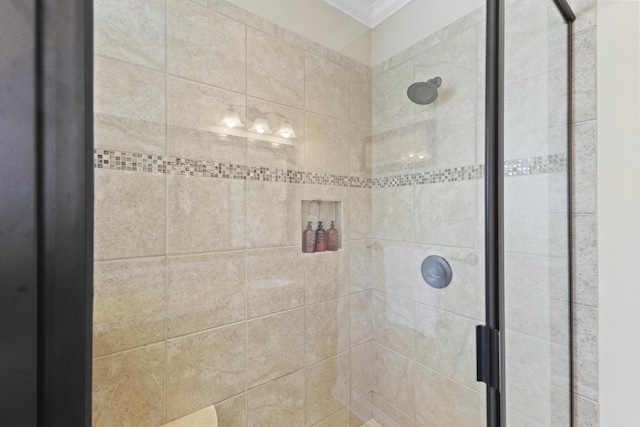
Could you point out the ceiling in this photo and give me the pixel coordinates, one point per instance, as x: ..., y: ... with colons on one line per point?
x: 368, y: 12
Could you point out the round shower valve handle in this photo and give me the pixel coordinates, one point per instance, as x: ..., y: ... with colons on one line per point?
x: 436, y: 271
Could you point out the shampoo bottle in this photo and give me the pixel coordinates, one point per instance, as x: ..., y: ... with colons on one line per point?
x: 309, y: 239
x: 333, y: 238
x: 321, y: 238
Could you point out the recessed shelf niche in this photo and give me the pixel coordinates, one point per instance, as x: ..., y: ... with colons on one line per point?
x: 322, y: 210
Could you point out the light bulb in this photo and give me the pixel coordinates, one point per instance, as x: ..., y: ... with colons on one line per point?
x: 260, y: 126
x: 286, y: 131
x: 231, y: 120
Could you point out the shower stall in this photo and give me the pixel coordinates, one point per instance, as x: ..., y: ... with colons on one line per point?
x: 222, y: 129
x: 220, y: 134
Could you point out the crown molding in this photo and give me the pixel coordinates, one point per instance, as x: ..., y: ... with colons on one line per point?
x: 368, y: 12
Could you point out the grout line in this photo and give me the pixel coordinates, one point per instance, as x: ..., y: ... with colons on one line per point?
x: 246, y: 238
x: 166, y: 189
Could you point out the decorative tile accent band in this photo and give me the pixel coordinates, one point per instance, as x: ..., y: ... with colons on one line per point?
x: 153, y: 163
x: 536, y: 165
x: 465, y: 173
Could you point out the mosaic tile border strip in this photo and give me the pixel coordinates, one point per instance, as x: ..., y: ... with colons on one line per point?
x: 465, y: 173
x: 153, y: 163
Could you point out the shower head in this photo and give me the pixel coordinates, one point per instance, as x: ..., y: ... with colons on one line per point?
x: 423, y: 93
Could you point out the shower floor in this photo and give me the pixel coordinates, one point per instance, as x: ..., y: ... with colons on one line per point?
x: 371, y: 423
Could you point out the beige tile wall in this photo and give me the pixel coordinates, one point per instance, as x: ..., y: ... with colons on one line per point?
x: 202, y: 293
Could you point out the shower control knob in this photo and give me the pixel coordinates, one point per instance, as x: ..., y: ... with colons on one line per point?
x: 436, y: 271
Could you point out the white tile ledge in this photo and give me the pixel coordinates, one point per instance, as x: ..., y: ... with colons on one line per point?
x: 207, y: 417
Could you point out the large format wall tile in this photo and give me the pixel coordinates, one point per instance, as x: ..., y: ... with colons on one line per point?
x: 275, y: 346
x: 327, y: 388
x: 446, y: 139
x: 446, y: 214
x: 275, y: 69
x: 132, y: 31
x: 275, y: 280
x: 342, y: 418
x: 528, y: 375
x: 205, y: 291
x: 395, y: 268
x: 528, y: 287
x: 526, y: 44
x: 326, y: 88
x: 394, y: 323
x: 443, y: 403
x: 386, y: 413
x: 584, y: 72
x: 360, y: 259
x: 278, y: 403
x: 194, y: 112
x: 445, y: 342
x: 361, y: 410
x: 205, y: 46
x: 361, y: 147
x: 526, y: 124
x: 361, y: 329
x: 527, y: 223
x: 585, y: 173
x: 204, y: 368
x: 586, y: 260
x: 362, y: 373
x: 232, y: 412
x: 206, y: 215
x: 360, y: 99
x: 326, y: 145
x: 129, y: 304
x: 327, y: 276
x: 360, y: 219
x: 327, y: 329
x: 390, y: 102
x: 586, y: 350
x: 129, y: 215
x: 393, y: 213
x: 129, y: 106
x: 394, y: 378
x: 273, y: 214
x: 128, y: 388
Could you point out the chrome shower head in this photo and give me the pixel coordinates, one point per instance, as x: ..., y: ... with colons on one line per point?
x: 423, y: 93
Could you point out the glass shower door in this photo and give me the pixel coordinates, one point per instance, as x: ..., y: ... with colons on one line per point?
x: 537, y: 298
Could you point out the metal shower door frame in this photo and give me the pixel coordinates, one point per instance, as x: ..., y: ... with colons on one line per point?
x: 490, y: 337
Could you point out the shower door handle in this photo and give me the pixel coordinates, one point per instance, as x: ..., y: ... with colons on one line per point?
x: 488, y: 356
